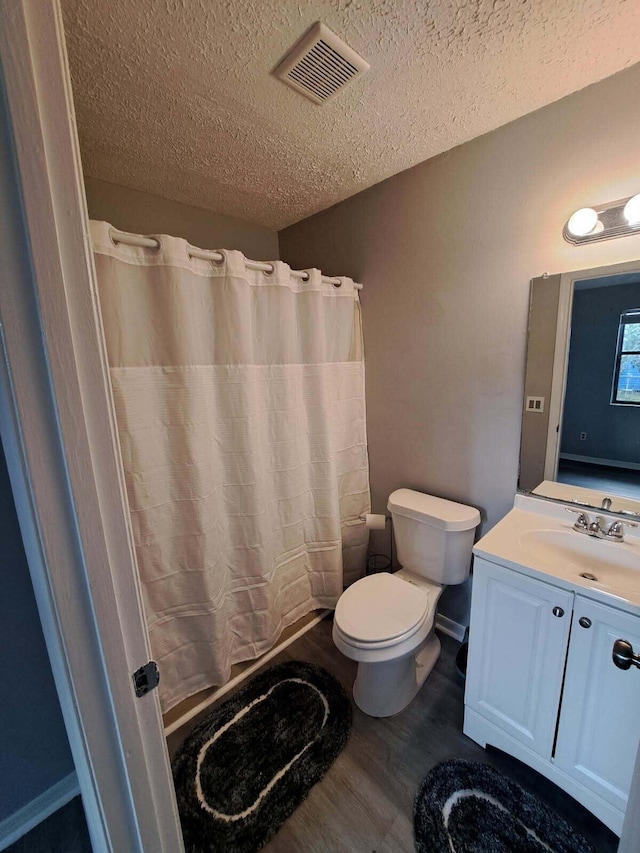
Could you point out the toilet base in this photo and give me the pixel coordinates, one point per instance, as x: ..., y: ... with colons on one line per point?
x: 386, y: 687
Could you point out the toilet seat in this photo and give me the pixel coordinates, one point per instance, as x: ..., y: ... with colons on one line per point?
x: 381, y: 610
x: 381, y: 644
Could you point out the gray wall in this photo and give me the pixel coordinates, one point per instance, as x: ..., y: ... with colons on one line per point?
x: 446, y: 251
x: 613, y: 432
x: 34, y: 752
x: 142, y: 213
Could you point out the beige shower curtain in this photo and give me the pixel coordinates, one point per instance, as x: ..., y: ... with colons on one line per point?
x: 239, y: 398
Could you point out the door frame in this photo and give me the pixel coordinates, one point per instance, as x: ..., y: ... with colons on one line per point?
x: 61, y: 444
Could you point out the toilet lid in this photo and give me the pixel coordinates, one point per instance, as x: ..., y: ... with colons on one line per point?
x: 380, y: 607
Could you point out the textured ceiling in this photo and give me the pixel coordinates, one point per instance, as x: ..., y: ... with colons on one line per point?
x: 175, y: 97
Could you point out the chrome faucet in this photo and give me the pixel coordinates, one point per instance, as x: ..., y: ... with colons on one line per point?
x: 606, y: 503
x: 595, y: 528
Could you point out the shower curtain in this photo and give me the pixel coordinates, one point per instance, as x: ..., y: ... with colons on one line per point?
x: 239, y: 398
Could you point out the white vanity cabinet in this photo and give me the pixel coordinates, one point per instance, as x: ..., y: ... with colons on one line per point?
x: 542, y: 685
x: 599, y: 728
x: 518, y: 645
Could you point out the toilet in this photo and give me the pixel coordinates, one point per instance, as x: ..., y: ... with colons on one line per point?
x: 386, y: 621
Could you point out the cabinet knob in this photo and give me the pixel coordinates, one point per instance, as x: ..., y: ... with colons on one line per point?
x: 584, y: 622
x: 558, y: 611
x: 623, y: 655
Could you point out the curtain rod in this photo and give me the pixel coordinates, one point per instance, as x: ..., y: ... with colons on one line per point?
x: 210, y: 255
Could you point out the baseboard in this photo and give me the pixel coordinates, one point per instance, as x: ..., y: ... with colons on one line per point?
x: 453, y: 629
x: 18, y: 824
x: 595, y: 460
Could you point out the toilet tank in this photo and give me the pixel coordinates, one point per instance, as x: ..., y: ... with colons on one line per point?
x: 434, y: 537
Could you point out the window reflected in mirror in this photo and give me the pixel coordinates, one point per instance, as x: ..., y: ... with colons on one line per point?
x: 626, y: 379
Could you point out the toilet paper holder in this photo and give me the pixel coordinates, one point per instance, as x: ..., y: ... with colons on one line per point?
x: 379, y: 562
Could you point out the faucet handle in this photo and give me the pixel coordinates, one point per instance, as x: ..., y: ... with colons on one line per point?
x: 582, y: 521
x: 615, y: 529
x: 606, y: 503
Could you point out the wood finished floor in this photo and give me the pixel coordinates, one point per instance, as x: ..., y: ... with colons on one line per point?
x: 613, y: 481
x: 364, y: 803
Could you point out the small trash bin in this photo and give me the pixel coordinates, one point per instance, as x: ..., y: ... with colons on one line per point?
x: 378, y: 563
x: 461, y: 662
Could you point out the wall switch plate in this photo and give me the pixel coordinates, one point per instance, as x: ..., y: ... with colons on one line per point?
x: 534, y: 404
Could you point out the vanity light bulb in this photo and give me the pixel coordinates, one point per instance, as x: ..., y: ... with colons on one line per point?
x: 582, y: 222
x: 632, y: 210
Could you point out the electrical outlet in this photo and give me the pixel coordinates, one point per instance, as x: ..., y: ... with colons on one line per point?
x: 583, y: 436
x: 534, y: 404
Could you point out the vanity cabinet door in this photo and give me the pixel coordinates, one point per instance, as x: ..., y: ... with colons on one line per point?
x: 599, y: 727
x: 517, y: 648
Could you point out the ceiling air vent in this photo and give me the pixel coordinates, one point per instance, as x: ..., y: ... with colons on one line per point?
x: 320, y: 65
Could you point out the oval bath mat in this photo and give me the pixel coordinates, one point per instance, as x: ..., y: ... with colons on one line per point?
x: 467, y: 807
x: 248, y: 765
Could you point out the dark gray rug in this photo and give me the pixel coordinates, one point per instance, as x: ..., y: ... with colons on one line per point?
x: 466, y: 807
x: 248, y: 765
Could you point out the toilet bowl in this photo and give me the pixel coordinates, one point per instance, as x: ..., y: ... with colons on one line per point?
x: 386, y: 621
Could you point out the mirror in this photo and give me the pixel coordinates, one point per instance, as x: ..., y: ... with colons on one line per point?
x: 581, y: 414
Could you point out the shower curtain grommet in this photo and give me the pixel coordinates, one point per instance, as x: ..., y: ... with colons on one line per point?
x: 217, y: 262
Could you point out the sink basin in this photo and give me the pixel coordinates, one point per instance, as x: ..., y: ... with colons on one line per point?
x: 612, y: 565
x: 537, y: 538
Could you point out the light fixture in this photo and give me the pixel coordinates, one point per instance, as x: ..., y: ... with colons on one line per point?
x: 632, y: 210
x: 582, y: 222
x: 603, y: 222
